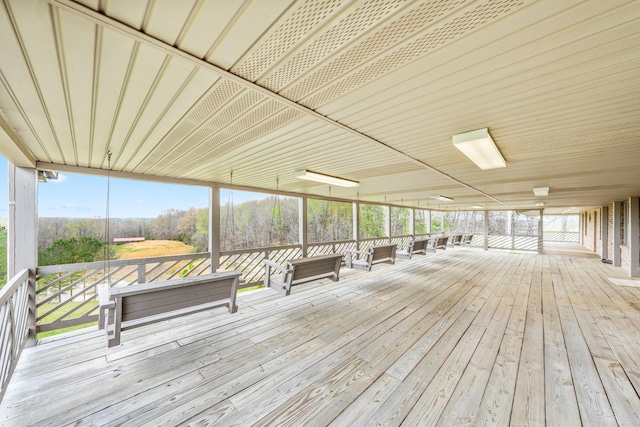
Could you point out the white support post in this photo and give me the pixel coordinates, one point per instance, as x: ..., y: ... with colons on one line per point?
x: 617, y: 206
x: 428, y: 219
x: 541, y: 232
x: 634, y: 236
x: 302, y: 223
x: 486, y: 230
x: 22, y: 239
x: 356, y: 224
x: 604, y: 226
x: 412, y: 222
x: 214, y: 227
x: 387, y: 222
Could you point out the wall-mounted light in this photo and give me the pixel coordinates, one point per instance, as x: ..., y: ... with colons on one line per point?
x: 325, y: 179
x: 479, y: 147
x: 443, y: 198
x: 43, y: 175
x: 541, y: 191
x: 539, y: 203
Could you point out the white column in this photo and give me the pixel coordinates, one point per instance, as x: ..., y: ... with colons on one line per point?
x: 214, y: 227
x: 356, y: 224
x: 604, y: 226
x: 428, y: 219
x: 387, y: 222
x: 486, y: 230
x: 302, y: 224
x: 634, y: 236
x: 541, y: 232
x: 22, y: 239
x: 412, y: 222
x: 616, y: 233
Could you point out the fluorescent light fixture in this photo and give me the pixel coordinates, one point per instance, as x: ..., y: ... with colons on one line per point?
x: 443, y: 198
x: 541, y: 191
x: 476, y: 207
x: 479, y: 147
x: 539, y: 203
x: 326, y: 179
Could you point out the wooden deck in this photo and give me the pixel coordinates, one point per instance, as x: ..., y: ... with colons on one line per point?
x: 459, y: 337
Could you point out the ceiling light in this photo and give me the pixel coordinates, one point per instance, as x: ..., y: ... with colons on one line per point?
x: 539, y: 203
x: 479, y: 147
x: 326, y: 179
x: 541, y: 191
x: 476, y: 207
x: 443, y: 198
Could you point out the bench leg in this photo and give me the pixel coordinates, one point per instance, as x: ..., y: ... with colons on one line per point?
x: 233, y: 307
x: 113, y: 338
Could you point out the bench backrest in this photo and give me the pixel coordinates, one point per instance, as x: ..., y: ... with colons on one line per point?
x: 303, y: 268
x: 420, y: 244
x: 383, y: 252
x: 148, y: 299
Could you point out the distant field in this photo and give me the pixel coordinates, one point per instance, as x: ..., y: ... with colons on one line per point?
x: 151, y: 248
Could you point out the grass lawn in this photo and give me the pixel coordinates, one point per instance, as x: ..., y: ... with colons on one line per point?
x: 66, y: 308
x: 151, y: 248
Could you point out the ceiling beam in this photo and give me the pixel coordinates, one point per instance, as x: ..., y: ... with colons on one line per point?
x: 12, y: 147
x: 112, y: 24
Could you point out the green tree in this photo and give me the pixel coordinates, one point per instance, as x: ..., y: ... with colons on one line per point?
x: 371, y: 221
x: 69, y: 251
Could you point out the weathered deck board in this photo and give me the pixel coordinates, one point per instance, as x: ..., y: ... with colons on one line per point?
x: 462, y: 337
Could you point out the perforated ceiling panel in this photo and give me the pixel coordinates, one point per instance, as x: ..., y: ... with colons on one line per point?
x: 306, y: 16
x: 386, y: 82
x: 375, y: 44
x: 348, y: 28
x: 439, y: 36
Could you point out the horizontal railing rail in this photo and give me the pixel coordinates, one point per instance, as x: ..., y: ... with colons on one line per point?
x: 14, y: 324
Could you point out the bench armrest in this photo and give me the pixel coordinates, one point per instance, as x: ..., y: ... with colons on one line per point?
x: 353, y: 251
x: 269, y: 263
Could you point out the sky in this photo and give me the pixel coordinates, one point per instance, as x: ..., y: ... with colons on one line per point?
x: 85, y: 196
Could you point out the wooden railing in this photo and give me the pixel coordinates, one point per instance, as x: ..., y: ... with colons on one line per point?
x: 67, y: 294
x: 513, y: 242
x: 561, y: 236
x: 14, y: 324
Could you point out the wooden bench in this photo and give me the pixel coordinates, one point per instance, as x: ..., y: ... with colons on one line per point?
x: 414, y: 247
x: 455, y: 240
x: 302, y: 270
x: 466, y: 239
x: 373, y: 255
x: 441, y: 242
x: 141, y: 304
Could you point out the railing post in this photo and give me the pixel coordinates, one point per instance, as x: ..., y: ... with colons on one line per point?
x: 142, y: 273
